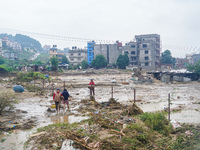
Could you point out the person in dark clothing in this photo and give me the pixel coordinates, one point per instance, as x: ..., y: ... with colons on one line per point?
x: 66, y: 97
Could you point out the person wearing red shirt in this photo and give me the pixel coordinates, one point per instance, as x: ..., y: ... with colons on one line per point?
x: 92, y: 86
x: 57, y: 99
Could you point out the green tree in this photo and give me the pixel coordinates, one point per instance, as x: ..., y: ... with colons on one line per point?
x: 65, y: 60
x: 173, y: 61
x: 84, y: 64
x: 166, y: 57
x: 194, y: 67
x: 2, y: 60
x: 37, y: 62
x: 99, y: 62
x: 126, y: 59
x: 54, y: 63
x: 122, y: 61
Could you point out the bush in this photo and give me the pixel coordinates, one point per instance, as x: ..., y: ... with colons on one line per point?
x: 7, y: 101
x: 27, y: 77
x: 5, y: 69
x: 157, y: 121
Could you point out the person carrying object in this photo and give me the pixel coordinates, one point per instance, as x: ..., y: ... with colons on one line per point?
x: 57, y: 97
x: 92, y: 86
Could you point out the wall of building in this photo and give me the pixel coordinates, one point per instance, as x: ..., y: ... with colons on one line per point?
x: 195, y: 58
x: 76, y: 56
x: 101, y: 49
x: 90, y: 51
x: 131, y: 49
x: 113, y: 52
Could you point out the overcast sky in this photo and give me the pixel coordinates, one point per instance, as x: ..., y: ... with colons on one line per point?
x: 177, y: 21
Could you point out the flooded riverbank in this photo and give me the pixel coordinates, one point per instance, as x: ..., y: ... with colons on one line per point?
x: 151, y: 98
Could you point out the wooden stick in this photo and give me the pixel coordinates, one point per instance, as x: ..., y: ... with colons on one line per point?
x: 120, y: 132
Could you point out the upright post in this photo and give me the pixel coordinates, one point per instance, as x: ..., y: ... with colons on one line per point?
x: 64, y: 84
x: 34, y: 84
x: 169, y: 106
x: 52, y: 86
x: 91, y: 90
x: 43, y: 83
x: 111, y: 91
x: 134, y: 95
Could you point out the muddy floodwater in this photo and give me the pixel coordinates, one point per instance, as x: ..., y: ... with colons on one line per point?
x: 150, y: 98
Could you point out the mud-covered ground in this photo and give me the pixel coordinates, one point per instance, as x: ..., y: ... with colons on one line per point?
x: 185, y: 102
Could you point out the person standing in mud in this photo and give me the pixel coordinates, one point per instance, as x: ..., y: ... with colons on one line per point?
x: 92, y: 87
x: 65, y: 100
x: 57, y: 99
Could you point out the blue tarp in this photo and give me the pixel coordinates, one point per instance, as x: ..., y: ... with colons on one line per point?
x: 18, y: 88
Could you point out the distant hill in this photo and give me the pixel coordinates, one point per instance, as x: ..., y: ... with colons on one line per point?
x: 24, y: 40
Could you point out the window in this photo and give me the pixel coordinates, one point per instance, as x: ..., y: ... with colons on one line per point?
x: 133, y: 52
x: 134, y: 58
x: 146, y: 58
x: 144, y: 45
x: 146, y: 52
x: 89, y: 53
x: 72, y: 54
x: 79, y: 54
x: 132, y: 46
x: 126, y: 52
x: 72, y: 59
x: 146, y: 64
x: 90, y: 58
x: 79, y: 59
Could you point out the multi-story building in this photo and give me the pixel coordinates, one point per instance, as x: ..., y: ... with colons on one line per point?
x: 90, y: 51
x: 53, y: 52
x: 110, y: 51
x: 144, y: 52
x: 195, y: 58
x: 181, y: 62
x: 149, y: 50
x: 131, y: 50
x: 76, y: 56
x: 189, y: 58
x: 9, y: 55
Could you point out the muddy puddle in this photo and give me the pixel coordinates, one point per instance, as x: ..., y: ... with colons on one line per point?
x: 16, y: 139
x: 187, y: 116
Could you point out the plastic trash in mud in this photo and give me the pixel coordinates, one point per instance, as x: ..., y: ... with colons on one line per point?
x: 47, y: 76
x: 18, y: 88
x: 67, y: 145
x: 188, y: 132
x: 175, y: 124
x: 96, y: 112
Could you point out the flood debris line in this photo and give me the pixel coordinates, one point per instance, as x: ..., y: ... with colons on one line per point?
x: 101, y: 131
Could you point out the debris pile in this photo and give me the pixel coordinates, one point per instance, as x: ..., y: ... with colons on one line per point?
x: 133, y: 110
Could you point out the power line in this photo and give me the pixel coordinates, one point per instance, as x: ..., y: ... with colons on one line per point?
x: 78, y: 39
